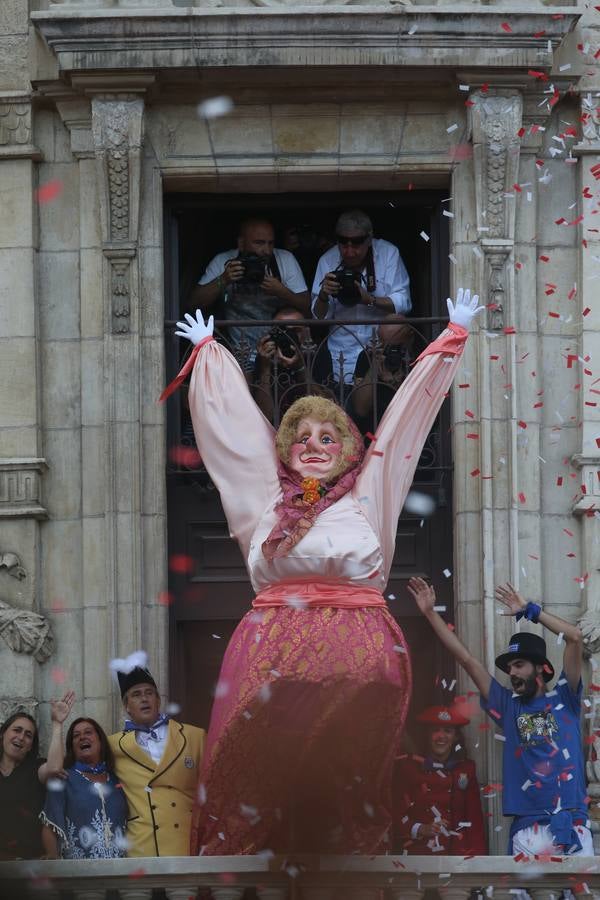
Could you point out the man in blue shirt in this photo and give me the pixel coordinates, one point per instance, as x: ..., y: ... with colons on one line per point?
x: 543, y: 771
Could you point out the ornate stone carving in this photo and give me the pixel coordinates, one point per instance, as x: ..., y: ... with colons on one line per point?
x: 15, y: 126
x: 20, y: 488
x: 23, y: 704
x: 590, y: 118
x: 15, y: 123
x: 117, y: 131
x: 495, y: 119
x: 119, y: 286
x: 26, y: 632
x: 13, y: 565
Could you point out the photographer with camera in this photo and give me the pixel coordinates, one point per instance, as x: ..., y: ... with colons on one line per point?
x: 378, y: 376
x: 362, y: 277
x: 280, y: 364
x: 253, y: 282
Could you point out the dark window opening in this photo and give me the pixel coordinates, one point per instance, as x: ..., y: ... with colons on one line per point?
x: 212, y: 593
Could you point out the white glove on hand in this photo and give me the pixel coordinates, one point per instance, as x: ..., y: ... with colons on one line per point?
x: 195, y: 329
x: 464, y: 310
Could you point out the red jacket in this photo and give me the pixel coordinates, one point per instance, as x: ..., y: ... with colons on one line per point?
x: 423, y: 794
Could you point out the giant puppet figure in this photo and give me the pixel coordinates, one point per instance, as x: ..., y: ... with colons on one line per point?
x: 316, y: 680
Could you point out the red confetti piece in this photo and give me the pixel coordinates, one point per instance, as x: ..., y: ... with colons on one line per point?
x: 59, y: 676
x: 535, y: 74
x: 472, y: 436
x: 522, y: 424
x: 376, y: 452
x: 185, y: 456
x: 598, y: 442
x: 570, y: 360
x: 49, y: 191
x: 544, y: 258
x: 595, y: 170
x: 554, y: 315
x: 464, y: 385
x: 559, y: 481
x: 370, y: 436
x: 566, y: 531
x: 520, y: 132
x: 517, y: 188
x: 181, y: 564
x: 509, y: 330
x: 522, y: 498
x: 469, y: 414
x: 506, y: 27
x: 475, y: 472
x: 539, y: 34
x: 494, y: 357
x: 165, y: 598
x: 137, y: 873
x: 538, y: 405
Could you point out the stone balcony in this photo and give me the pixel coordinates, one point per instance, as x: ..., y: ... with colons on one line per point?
x: 304, y: 877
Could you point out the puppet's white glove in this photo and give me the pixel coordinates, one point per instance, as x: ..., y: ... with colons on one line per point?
x: 195, y: 329
x: 464, y: 310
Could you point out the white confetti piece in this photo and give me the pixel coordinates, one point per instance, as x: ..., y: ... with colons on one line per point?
x: 559, y: 638
x: 499, y: 737
x: 464, y: 87
x: 447, y: 213
x: 173, y: 709
x: 447, y: 573
x: 56, y: 785
x: 398, y: 648
x: 419, y: 504
x: 215, y: 107
x: 452, y: 259
x: 440, y: 609
x: 413, y: 29
x: 566, y: 753
x: 424, y: 235
x: 452, y: 128
x: 526, y: 784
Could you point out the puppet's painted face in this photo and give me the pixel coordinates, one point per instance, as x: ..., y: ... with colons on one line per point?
x: 316, y: 451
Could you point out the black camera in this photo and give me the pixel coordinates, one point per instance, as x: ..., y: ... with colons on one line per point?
x: 283, y: 341
x: 348, y: 294
x: 255, y: 268
x: 395, y: 356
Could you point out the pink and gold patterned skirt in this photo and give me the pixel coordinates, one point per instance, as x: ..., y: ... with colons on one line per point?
x: 306, y: 724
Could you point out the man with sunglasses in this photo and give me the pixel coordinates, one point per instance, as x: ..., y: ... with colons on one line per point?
x: 381, y: 287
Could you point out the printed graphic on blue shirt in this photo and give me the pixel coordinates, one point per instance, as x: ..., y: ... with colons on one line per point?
x: 537, y: 727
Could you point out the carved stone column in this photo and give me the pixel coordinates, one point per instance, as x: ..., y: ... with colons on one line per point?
x: 25, y: 635
x: 117, y: 130
x: 495, y: 121
x: 588, y: 460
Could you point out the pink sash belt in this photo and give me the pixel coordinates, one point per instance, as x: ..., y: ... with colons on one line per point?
x: 307, y: 594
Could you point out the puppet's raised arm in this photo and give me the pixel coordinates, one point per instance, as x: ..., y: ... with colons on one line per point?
x: 235, y: 440
x: 391, y: 460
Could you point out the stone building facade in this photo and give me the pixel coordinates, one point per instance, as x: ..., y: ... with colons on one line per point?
x: 98, y: 120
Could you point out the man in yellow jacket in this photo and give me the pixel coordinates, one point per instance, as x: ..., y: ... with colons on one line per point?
x: 157, y: 762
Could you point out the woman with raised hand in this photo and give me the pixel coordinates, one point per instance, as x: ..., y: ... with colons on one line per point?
x: 316, y: 679
x: 23, y: 774
x: 85, y: 816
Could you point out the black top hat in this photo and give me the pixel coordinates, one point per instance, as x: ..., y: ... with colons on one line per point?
x: 526, y: 645
x: 132, y: 670
x: 138, y: 675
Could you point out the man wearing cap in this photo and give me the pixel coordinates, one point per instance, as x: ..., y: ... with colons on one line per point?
x: 436, y: 802
x: 543, y: 774
x: 156, y: 761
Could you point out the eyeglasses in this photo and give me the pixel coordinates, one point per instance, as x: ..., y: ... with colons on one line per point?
x: 345, y: 241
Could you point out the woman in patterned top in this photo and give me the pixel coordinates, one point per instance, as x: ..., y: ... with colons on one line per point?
x: 85, y: 816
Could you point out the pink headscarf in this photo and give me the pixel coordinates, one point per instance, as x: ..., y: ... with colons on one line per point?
x: 296, y: 516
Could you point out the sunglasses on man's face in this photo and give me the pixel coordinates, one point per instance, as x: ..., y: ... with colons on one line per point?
x: 344, y: 240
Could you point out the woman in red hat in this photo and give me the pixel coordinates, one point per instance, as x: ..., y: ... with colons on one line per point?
x: 436, y: 797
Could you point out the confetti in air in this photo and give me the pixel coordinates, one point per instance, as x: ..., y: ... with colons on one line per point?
x: 215, y: 107
x: 419, y: 504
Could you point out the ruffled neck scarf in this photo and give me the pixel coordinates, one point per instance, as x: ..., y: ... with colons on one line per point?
x: 303, y: 502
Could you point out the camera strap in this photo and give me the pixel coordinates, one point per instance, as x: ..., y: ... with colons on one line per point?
x: 370, y: 267
x: 273, y: 267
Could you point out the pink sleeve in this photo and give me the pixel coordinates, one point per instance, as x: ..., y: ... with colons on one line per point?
x: 235, y: 440
x: 392, y: 458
